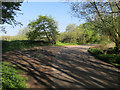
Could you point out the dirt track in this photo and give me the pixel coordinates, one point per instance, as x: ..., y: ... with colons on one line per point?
x: 64, y: 67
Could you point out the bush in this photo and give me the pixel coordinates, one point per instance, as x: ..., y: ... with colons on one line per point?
x: 112, y: 58
x: 109, y: 58
x: 95, y: 51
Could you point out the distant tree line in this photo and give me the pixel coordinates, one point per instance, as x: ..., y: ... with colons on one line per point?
x: 84, y: 33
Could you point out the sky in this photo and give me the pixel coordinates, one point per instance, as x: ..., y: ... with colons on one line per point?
x: 60, y: 11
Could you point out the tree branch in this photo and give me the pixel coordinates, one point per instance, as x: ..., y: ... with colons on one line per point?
x: 117, y: 6
x: 97, y: 11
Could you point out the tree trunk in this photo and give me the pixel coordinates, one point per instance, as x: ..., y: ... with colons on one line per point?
x: 47, y: 36
x: 118, y: 47
x: 98, y: 11
x: 117, y: 6
x: 54, y: 41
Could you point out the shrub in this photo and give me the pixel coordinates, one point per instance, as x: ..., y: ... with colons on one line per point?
x: 95, y: 51
x: 112, y: 58
x: 109, y: 58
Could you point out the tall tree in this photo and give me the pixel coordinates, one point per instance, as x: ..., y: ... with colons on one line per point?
x: 105, y: 14
x: 44, y: 26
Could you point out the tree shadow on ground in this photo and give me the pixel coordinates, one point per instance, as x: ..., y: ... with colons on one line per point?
x: 70, y: 68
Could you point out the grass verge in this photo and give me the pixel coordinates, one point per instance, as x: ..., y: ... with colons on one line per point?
x: 23, y: 44
x: 66, y: 44
x: 109, y: 58
x: 11, y: 77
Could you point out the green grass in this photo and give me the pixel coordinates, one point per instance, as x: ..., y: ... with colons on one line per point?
x: 20, y: 44
x: 23, y: 44
x: 109, y: 58
x: 65, y: 44
x: 11, y: 77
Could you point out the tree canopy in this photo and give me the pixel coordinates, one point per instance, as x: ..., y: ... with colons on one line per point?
x: 9, y: 11
x: 43, y: 27
x: 83, y: 33
x: 104, y: 15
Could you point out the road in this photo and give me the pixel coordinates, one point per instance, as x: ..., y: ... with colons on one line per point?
x: 64, y: 67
